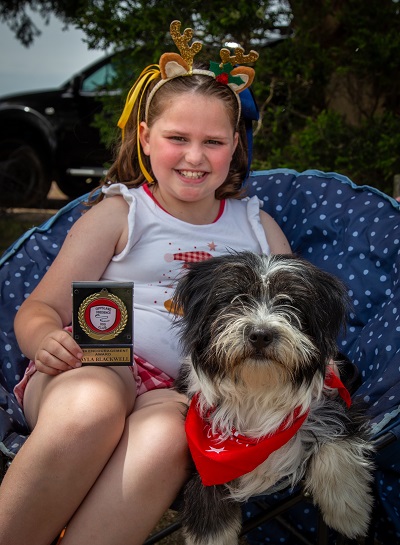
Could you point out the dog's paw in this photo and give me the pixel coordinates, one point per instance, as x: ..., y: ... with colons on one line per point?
x: 339, y: 479
x: 350, y: 517
x: 221, y: 539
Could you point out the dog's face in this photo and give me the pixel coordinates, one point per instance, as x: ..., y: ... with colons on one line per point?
x: 274, y: 317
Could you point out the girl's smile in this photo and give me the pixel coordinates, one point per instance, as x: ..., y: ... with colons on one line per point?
x: 192, y: 174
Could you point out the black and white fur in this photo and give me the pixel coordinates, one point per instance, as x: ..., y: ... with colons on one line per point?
x: 259, y: 333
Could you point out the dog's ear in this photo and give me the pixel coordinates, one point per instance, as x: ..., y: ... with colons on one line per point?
x: 328, y: 317
x: 192, y: 295
x: 192, y: 288
x: 204, y: 284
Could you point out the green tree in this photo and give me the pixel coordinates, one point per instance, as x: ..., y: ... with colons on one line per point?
x: 328, y: 90
x: 18, y: 15
x: 334, y: 91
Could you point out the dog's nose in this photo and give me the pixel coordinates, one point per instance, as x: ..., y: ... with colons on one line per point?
x: 260, y: 338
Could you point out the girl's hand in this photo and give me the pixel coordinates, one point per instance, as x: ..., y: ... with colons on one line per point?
x: 58, y: 352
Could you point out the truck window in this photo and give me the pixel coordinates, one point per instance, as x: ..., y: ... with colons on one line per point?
x: 99, y: 79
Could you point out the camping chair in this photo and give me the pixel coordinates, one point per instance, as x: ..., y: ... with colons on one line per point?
x: 351, y: 231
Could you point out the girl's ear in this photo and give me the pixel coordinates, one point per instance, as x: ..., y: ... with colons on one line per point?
x: 144, y: 136
x: 235, y: 141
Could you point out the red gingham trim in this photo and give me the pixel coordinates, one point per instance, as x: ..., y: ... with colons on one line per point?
x: 149, y: 377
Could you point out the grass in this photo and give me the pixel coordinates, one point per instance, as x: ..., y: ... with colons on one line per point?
x: 14, y: 223
x: 174, y: 539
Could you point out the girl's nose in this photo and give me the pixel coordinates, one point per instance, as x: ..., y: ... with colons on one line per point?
x: 194, y: 154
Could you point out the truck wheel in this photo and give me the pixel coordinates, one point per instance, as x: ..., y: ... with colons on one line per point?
x: 24, y: 180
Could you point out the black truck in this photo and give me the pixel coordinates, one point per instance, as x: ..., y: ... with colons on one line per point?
x: 49, y: 135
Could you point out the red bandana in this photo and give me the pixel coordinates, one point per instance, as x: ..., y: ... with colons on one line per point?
x: 220, y: 461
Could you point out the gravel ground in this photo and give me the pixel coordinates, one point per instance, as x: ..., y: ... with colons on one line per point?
x: 176, y: 538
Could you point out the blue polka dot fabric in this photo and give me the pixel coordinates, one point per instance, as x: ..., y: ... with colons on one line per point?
x: 21, y: 268
x: 351, y: 231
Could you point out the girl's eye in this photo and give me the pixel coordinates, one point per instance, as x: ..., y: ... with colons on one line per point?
x: 214, y: 142
x: 177, y: 138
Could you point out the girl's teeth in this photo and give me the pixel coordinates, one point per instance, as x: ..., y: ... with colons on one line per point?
x: 190, y: 174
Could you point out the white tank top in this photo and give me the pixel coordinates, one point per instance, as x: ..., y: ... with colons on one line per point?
x: 159, y: 245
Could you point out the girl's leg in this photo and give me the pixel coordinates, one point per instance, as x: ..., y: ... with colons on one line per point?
x: 78, y: 418
x: 141, y: 479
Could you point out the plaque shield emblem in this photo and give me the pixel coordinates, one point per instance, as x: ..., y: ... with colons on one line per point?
x: 102, y: 317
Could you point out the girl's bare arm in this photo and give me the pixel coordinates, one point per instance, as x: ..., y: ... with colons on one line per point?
x: 277, y: 241
x: 91, y: 243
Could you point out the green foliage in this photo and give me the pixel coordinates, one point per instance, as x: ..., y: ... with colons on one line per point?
x: 358, y: 44
x: 368, y: 154
x: 128, y: 23
x: 353, y: 43
x: 354, y: 40
x: 127, y: 67
x: 17, y: 15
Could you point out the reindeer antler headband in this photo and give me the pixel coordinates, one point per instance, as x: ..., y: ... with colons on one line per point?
x: 172, y: 65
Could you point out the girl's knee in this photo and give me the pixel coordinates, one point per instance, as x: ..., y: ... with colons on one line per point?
x: 173, y: 428
x: 167, y: 433
x: 86, y: 405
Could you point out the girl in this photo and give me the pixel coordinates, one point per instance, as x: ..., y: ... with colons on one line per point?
x: 107, y: 454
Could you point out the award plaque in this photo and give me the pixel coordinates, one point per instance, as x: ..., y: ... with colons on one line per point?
x: 102, y: 322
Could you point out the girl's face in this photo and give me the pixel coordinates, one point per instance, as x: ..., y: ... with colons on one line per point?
x: 190, y: 147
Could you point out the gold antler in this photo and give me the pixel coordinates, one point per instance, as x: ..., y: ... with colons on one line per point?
x: 182, y: 42
x: 239, y: 57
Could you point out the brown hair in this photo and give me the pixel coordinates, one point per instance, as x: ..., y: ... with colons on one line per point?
x: 126, y: 169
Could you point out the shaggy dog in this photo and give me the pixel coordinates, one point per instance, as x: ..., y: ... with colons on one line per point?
x: 267, y: 408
